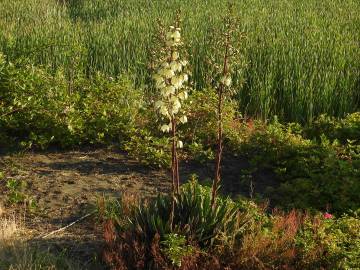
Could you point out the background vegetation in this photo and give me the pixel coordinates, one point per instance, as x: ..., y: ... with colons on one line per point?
x: 302, y: 57
x: 76, y: 72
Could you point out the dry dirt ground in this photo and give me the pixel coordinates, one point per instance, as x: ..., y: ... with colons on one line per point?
x: 67, y: 185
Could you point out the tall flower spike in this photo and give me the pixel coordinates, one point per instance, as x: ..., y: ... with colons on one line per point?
x: 170, y: 80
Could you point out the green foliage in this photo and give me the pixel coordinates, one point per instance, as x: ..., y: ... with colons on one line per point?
x: 311, y: 174
x: 303, y: 59
x: 343, y: 130
x: 16, y: 189
x: 149, y: 149
x: 175, y: 248
x: 330, y: 243
x: 202, y: 124
x: 17, y: 193
x: 197, y: 152
x: 194, y: 218
x: 234, y: 233
x: 39, y: 109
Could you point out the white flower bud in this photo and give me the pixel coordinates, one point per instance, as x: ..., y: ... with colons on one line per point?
x: 226, y: 80
x: 175, y: 55
x: 175, y: 66
x: 165, y: 128
x: 176, y: 82
x: 183, y: 119
x: 164, y: 111
x: 176, y: 35
x: 183, y: 95
x: 175, y: 107
x: 160, y: 84
x: 168, y: 73
x: 184, y: 63
x: 180, y: 144
x: 169, y: 90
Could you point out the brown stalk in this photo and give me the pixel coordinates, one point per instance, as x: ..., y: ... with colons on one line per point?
x: 225, y: 71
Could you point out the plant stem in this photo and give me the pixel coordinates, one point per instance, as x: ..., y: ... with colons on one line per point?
x: 175, y: 161
x: 174, y: 171
x: 217, y: 178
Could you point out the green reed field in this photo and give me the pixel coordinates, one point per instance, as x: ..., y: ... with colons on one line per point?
x: 302, y: 57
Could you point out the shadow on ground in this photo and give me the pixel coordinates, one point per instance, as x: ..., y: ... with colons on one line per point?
x: 66, y: 184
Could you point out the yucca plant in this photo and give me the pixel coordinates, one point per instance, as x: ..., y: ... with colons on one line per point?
x: 225, y: 63
x: 208, y: 225
x: 194, y: 217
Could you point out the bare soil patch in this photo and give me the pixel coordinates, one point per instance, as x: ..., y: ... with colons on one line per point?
x: 67, y: 184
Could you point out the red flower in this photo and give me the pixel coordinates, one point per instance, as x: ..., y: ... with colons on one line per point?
x: 328, y: 215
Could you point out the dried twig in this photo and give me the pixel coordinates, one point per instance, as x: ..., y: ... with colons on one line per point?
x: 69, y: 225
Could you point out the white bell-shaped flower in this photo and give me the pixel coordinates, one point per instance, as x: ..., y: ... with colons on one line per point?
x: 183, y: 95
x: 184, y: 63
x: 164, y: 111
x: 176, y: 36
x: 176, y: 105
x: 176, y: 82
x: 175, y: 66
x: 168, y: 90
x: 168, y: 73
x: 226, y: 80
x: 180, y: 144
x: 183, y: 119
x: 175, y: 56
x: 160, y: 84
x: 165, y: 128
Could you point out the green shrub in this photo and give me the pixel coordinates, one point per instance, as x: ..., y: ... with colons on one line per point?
x: 175, y: 248
x: 147, y: 148
x: 39, y: 109
x: 239, y: 235
x: 345, y: 129
x: 202, y: 120
x: 310, y: 174
x: 329, y: 243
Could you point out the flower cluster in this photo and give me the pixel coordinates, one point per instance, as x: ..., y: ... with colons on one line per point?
x: 171, y: 78
x: 226, y: 80
x: 327, y: 215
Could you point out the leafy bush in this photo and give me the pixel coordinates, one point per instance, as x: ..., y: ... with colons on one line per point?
x: 149, y: 149
x: 175, y: 248
x: 39, y: 109
x: 202, y: 124
x: 329, y: 243
x: 310, y: 174
x: 343, y: 130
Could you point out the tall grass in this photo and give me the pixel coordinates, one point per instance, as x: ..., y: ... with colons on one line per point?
x: 303, y: 57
